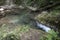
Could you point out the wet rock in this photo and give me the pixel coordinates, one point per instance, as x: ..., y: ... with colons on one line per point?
x: 51, y: 19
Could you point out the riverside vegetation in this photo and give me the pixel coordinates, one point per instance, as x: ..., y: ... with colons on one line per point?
x: 18, y: 19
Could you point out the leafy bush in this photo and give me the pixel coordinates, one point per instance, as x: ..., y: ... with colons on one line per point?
x: 11, y: 37
x: 14, y: 34
x: 51, y: 36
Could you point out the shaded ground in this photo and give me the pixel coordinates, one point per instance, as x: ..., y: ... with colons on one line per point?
x: 32, y: 34
x: 13, y: 24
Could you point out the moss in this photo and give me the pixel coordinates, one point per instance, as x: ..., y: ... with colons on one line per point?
x: 51, y: 18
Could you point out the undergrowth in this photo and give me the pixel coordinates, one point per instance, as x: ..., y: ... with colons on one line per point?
x: 14, y: 34
x: 52, y: 35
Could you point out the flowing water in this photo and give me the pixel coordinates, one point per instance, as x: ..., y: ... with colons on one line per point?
x: 45, y: 28
x: 9, y: 4
x: 12, y: 21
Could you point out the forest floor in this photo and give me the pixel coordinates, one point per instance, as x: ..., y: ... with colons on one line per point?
x: 12, y: 25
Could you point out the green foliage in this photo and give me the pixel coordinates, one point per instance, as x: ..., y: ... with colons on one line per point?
x: 51, y: 36
x: 25, y: 22
x: 51, y: 18
x: 14, y: 34
x: 10, y: 37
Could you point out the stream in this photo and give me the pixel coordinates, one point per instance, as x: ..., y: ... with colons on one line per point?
x: 23, y: 22
x: 45, y: 28
x: 15, y: 19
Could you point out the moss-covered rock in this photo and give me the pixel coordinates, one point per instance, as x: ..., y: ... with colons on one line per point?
x: 51, y: 19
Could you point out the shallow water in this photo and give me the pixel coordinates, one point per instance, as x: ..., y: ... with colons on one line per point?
x: 45, y: 28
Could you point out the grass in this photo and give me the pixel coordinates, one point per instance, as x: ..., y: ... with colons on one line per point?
x: 9, y: 32
x: 51, y: 36
x: 5, y: 33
